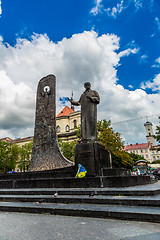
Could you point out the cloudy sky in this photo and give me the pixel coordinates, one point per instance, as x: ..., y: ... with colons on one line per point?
x: 113, y: 44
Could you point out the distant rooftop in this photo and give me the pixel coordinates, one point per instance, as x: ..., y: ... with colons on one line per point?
x: 148, y: 123
x: 18, y: 140
x: 136, y: 146
x: 65, y: 112
x: 6, y: 139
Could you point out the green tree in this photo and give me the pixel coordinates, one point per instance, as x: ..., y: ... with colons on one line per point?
x: 25, y: 156
x: 113, y: 143
x: 15, y: 150
x: 5, y: 152
x: 136, y: 157
x: 78, y: 132
x: 8, y: 156
x: 68, y: 149
x: 157, y: 135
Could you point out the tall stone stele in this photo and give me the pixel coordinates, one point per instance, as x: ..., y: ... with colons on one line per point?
x: 46, y: 154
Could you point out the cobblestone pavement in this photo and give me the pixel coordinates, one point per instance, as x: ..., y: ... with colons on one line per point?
x: 22, y: 226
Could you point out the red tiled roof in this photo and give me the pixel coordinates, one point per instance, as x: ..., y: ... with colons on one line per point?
x: 136, y: 146
x: 6, y: 139
x: 65, y: 112
x: 22, y: 139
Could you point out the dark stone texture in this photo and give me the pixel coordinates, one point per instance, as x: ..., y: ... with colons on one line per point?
x: 93, y: 157
x: 115, y: 172
x: 71, y: 182
x: 46, y: 154
x: 48, y: 174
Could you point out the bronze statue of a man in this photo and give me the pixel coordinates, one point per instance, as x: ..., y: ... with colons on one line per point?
x: 88, y: 101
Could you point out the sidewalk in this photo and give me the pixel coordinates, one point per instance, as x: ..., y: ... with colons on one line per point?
x: 24, y: 226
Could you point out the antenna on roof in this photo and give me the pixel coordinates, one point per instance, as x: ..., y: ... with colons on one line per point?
x: 147, y: 118
x: 72, y: 107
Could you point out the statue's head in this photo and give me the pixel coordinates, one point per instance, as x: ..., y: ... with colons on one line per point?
x: 87, y: 85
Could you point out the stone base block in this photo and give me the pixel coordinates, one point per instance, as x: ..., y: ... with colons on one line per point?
x: 93, y: 157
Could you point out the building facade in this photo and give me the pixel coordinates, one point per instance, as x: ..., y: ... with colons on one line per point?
x: 67, y: 122
x: 147, y: 150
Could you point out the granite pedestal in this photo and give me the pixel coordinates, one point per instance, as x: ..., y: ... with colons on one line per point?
x: 93, y: 157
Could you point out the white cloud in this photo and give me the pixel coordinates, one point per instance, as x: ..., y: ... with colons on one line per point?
x: 120, y: 6
x: 143, y: 58
x: 98, y: 7
x: 157, y: 21
x: 154, y: 84
x: 116, y: 10
x: 157, y: 63
x: 158, y: 60
x: 83, y: 57
x: 128, y: 51
x: 138, y: 4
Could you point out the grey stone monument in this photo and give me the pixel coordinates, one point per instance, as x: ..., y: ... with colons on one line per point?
x: 46, y: 154
x: 88, y: 101
x: 88, y: 152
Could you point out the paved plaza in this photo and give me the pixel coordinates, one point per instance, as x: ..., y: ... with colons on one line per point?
x: 22, y: 226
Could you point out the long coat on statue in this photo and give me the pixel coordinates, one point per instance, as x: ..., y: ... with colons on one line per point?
x: 88, y: 101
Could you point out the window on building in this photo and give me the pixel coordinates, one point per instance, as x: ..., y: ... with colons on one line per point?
x: 142, y: 155
x: 133, y: 151
x: 145, y: 150
x: 154, y: 158
x: 58, y: 129
x: 157, y: 157
x: 67, y: 128
x: 146, y: 156
x: 141, y: 150
x: 136, y: 151
x: 149, y: 134
x: 75, y: 123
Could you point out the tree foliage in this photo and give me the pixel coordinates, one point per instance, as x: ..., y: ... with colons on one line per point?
x: 113, y: 143
x: 68, y: 149
x: 8, y: 156
x: 25, y: 156
x: 136, y: 157
x: 78, y: 132
x: 157, y: 135
x: 112, y: 140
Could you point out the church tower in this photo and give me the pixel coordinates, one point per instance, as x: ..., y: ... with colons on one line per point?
x: 149, y: 133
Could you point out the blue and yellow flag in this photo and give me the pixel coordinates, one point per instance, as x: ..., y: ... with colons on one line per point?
x: 63, y: 100
x: 81, y: 172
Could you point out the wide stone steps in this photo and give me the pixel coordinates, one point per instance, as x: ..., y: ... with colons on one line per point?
x: 151, y: 214
x: 129, y: 203
x: 117, y: 200
x: 148, y: 190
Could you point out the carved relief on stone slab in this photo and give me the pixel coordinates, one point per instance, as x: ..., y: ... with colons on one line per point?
x: 46, y: 154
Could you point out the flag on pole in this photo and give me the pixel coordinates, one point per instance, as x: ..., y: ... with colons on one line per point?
x: 63, y: 100
x: 81, y: 172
